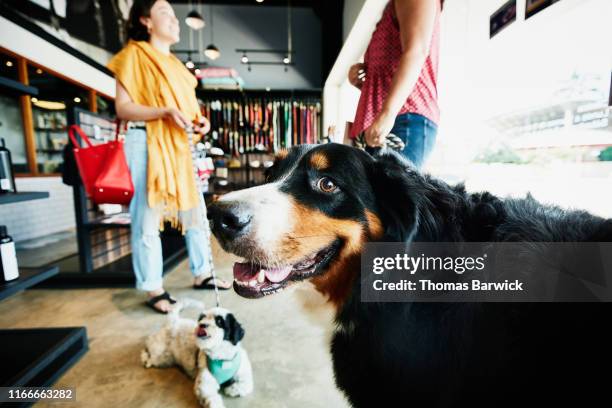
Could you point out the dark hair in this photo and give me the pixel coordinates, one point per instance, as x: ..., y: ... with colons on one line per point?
x: 135, y: 29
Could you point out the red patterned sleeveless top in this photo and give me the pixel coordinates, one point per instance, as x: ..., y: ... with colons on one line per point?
x: 382, y: 59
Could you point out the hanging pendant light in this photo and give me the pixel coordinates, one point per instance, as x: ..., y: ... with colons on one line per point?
x: 212, y: 51
x: 194, y: 20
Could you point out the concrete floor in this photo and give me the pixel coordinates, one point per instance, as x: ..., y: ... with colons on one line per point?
x: 292, y: 367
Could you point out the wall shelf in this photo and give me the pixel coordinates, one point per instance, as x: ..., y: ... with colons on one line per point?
x: 9, y: 198
x: 17, y: 88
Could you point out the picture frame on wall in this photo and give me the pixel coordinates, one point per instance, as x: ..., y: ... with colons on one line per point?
x: 502, y: 18
x: 533, y: 7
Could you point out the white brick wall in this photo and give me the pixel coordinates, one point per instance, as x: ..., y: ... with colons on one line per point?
x: 38, y: 218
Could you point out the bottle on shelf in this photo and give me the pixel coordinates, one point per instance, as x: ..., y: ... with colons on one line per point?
x: 7, y: 178
x: 8, y: 258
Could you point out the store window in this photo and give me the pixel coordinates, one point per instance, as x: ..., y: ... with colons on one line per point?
x: 50, y: 110
x: 527, y: 111
x: 11, y: 122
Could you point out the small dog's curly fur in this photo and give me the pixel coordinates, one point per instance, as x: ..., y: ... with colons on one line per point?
x: 193, y: 345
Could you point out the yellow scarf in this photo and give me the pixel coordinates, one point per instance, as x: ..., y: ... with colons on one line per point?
x: 152, y: 78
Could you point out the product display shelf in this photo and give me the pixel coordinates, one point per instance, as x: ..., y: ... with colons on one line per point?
x: 28, y: 277
x: 22, y: 196
x: 36, y: 357
x: 118, y: 273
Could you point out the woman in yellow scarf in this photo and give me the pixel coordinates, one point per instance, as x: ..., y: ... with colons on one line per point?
x: 156, y: 93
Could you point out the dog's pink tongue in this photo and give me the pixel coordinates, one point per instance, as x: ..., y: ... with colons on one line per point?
x: 277, y: 274
x: 245, y: 272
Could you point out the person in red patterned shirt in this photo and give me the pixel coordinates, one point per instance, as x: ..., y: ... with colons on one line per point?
x: 398, y: 79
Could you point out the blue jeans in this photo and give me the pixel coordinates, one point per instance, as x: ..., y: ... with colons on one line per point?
x: 419, y: 135
x: 147, y: 258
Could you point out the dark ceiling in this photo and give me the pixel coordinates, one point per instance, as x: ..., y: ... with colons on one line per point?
x: 102, y: 29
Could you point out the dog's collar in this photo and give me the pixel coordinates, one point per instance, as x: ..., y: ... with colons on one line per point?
x: 224, y: 370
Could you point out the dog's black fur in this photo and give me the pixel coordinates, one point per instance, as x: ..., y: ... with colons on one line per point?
x: 452, y: 354
x: 469, y: 354
x: 232, y: 330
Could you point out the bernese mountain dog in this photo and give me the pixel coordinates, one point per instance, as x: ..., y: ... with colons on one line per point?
x: 306, y: 227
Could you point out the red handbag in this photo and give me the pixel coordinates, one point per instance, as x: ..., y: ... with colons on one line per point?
x: 103, y: 168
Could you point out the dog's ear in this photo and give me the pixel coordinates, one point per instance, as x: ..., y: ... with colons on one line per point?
x: 395, y: 184
x: 233, y: 330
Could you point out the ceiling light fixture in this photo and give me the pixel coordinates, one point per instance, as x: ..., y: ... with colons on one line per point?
x: 284, y: 57
x: 259, y: 1
x: 212, y: 51
x: 9, y: 63
x: 189, y: 64
x: 49, y: 105
x: 77, y: 99
x: 194, y: 20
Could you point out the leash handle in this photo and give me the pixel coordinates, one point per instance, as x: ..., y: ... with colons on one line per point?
x: 202, y: 204
x: 390, y: 141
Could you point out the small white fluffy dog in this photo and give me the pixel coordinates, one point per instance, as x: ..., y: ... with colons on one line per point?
x: 208, y: 350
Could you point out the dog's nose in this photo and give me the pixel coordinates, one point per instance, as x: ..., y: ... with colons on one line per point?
x: 204, y: 325
x: 229, y: 220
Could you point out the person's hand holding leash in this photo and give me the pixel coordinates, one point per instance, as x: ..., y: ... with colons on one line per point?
x: 376, y: 133
x: 201, y: 126
x: 177, y: 116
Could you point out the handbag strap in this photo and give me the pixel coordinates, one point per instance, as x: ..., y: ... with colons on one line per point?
x: 118, y: 126
x: 82, y: 135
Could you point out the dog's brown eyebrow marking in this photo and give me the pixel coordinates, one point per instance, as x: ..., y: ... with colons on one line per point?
x: 319, y: 161
x: 374, y: 224
x: 282, y: 154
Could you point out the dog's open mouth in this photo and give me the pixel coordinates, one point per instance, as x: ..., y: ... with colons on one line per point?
x: 255, y: 281
x: 201, y: 332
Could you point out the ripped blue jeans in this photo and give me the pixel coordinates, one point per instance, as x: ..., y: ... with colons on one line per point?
x: 147, y: 258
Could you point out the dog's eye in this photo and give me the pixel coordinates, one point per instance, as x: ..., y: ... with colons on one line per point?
x: 326, y: 185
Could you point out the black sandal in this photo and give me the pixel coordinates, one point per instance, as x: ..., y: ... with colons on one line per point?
x: 164, y: 296
x: 210, y: 286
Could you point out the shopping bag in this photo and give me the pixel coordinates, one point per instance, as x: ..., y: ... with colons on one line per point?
x: 103, y: 169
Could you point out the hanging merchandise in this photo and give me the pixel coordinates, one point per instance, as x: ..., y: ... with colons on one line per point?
x: 220, y: 78
x: 264, y: 123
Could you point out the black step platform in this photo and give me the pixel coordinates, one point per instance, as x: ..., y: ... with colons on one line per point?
x: 38, y: 357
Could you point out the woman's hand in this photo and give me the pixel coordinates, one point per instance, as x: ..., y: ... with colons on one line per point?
x: 356, y: 75
x: 375, y: 135
x: 202, y: 126
x: 177, y: 116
